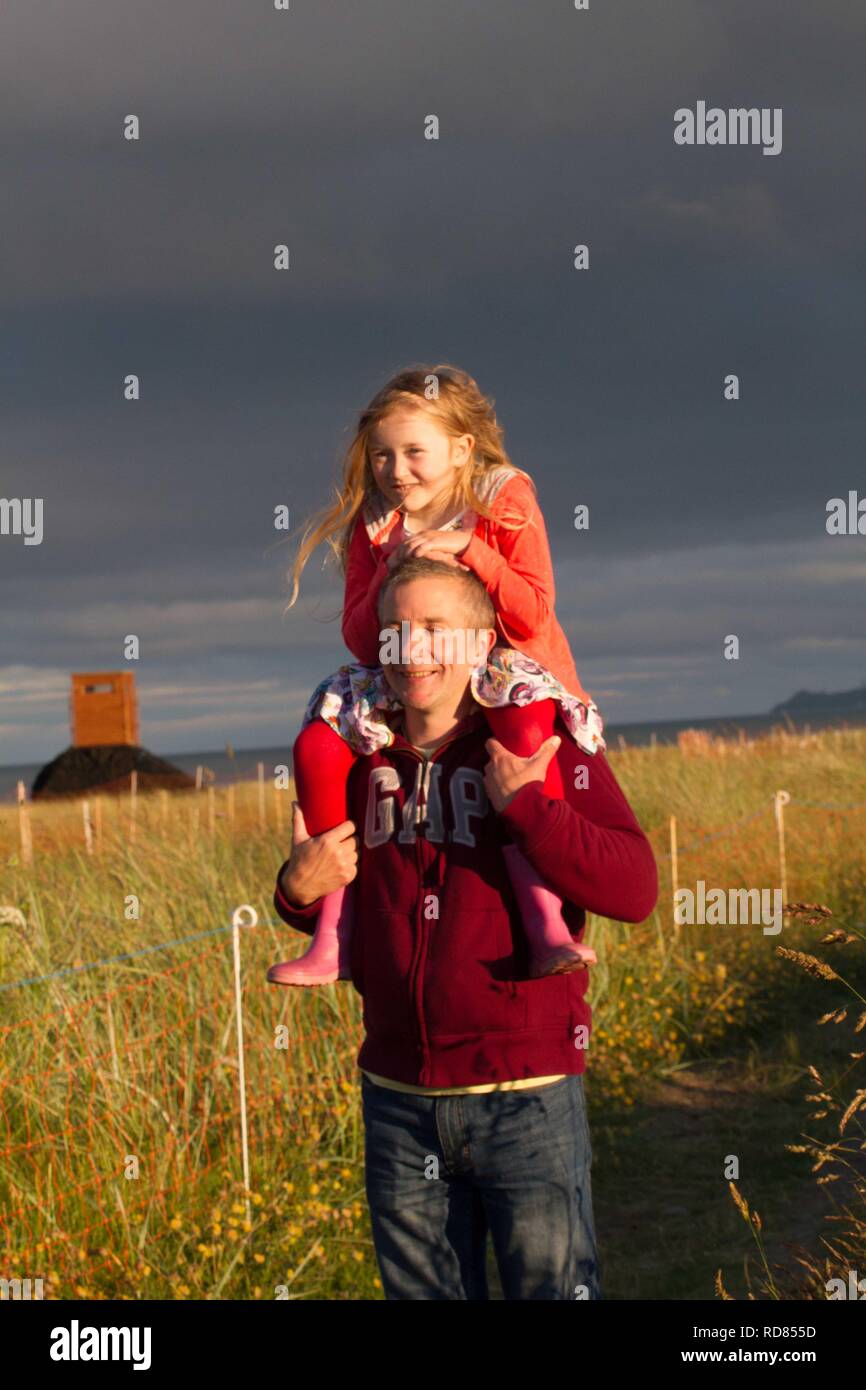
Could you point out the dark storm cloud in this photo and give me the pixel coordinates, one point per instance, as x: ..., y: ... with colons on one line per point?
x: 306, y: 127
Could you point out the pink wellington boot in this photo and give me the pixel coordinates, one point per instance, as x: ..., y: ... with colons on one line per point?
x: 553, y: 949
x: 327, y: 959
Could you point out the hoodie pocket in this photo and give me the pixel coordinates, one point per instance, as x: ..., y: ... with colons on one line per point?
x: 547, y: 1001
x: 386, y: 956
x: 468, y: 978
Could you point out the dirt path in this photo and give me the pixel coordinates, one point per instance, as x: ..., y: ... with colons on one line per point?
x: 664, y: 1214
x: 665, y: 1218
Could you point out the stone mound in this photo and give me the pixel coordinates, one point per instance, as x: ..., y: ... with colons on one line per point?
x: 106, y: 768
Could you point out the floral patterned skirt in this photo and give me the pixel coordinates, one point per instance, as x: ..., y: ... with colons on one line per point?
x: 355, y: 700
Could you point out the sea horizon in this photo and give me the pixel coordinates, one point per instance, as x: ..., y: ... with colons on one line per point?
x: 242, y: 764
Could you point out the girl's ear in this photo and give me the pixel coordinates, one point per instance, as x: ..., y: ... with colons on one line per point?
x: 463, y: 446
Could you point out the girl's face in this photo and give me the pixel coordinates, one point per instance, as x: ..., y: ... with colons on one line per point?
x: 415, y: 463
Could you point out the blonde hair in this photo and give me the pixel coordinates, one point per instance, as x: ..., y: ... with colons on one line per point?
x: 459, y: 406
x: 477, y: 599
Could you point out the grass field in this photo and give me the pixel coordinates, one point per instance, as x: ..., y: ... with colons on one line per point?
x: 120, y: 1152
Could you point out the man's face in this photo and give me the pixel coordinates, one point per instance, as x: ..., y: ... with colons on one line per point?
x: 440, y: 645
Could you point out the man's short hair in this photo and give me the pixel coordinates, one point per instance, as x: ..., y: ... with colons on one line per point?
x: 479, y: 607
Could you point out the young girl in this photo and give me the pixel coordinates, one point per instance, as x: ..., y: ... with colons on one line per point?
x: 427, y: 474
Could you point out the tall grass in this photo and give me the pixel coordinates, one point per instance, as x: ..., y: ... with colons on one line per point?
x: 119, y: 1124
x: 837, y: 1148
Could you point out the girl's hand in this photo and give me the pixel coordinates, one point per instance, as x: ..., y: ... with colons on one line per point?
x: 404, y: 552
x: 451, y: 542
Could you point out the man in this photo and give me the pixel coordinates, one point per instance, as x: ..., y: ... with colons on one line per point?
x: 472, y: 1089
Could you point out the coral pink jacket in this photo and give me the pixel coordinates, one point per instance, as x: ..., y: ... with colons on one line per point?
x: 513, y: 565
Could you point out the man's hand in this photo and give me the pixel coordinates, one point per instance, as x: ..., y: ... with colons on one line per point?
x: 318, y: 864
x: 506, y: 773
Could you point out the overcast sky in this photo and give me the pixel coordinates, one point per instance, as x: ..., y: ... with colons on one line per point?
x: 258, y: 127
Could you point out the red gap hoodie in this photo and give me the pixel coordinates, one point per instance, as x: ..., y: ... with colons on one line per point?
x: 438, y: 952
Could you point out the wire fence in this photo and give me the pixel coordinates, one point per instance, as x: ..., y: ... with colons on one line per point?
x: 179, y: 1074
x: 118, y: 1105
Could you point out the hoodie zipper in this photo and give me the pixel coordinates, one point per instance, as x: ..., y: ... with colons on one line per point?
x: 421, y: 926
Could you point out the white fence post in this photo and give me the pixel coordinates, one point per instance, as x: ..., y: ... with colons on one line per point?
x: 780, y: 801
x: 24, y: 826
x: 88, y: 829
x: 237, y: 923
x: 675, y: 879
x: 133, y: 803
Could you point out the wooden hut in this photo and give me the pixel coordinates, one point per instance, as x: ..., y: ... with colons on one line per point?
x: 103, y: 709
x: 103, y: 715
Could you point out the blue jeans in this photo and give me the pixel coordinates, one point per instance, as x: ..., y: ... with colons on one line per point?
x: 442, y: 1171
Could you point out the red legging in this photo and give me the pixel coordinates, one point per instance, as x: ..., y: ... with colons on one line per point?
x: 522, y: 729
x: 322, y: 759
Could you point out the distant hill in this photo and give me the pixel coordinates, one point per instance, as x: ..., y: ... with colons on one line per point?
x: 840, y: 703
x: 105, y: 768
